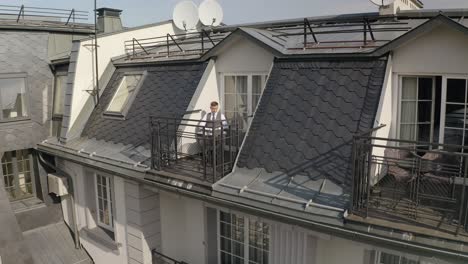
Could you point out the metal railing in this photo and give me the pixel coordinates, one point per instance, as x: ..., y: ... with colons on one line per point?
x: 410, y: 182
x: 196, y: 43
x: 160, y: 258
x: 21, y: 13
x: 205, y: 150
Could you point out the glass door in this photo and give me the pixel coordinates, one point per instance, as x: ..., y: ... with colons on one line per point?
x: 454, y: 125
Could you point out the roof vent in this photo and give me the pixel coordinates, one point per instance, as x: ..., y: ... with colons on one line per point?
x: 108, y: 20
x: 400, y: 5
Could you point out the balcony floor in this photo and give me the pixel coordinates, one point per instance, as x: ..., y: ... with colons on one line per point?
x: 403, y: 214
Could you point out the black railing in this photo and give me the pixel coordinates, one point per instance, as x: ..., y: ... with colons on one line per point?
x: 411, y: 182
x: 205, y: 150
x: 159, y: 258
x: 187, y: 44
x: 21, y: 13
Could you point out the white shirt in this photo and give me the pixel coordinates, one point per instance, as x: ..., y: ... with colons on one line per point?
x: 213, y: 118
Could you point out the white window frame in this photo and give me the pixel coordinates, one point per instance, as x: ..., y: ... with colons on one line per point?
x: 400, y: 99
x: 443, y: 107
x: 443, y: 100
x: 378, y: 254
x: 129, y: 101
x: 250, y: 109
x: 109, y: 201
x: 23, y: 76
x: 247, y: 219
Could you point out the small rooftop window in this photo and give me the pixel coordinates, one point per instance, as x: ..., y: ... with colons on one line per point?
x: 124, y: 94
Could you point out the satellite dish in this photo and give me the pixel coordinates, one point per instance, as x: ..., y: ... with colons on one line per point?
x: 382, y: 2
x: 211, y: 13
x: 185, y: 15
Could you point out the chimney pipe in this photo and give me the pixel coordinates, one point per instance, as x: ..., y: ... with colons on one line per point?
x: 108, y: 20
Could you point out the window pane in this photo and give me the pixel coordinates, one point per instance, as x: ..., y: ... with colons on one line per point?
x: 408, y: 132
x: 455, y: 115
x: 409, y: 88
x: 230, y: 102
x: 12, y: 98
x: 125, y: 90
x: 241, y: 84
x: 257, y: 84
x: 408, y: 112
x: 425, y: 89
x: 456, y: 90
x: 229, y: 84
x: 59, y: 94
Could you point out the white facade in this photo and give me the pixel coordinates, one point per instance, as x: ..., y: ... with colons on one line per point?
x: 109, y: 46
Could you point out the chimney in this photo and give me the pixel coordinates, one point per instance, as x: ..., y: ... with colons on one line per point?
x: 108, y: 20
x: 400, y: 5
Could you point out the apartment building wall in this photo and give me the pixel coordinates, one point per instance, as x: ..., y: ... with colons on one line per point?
x: 26, y: 54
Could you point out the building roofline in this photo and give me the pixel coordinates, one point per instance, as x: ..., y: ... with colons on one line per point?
x: 340, y: 231
x: 100, y: 35
x: 440, y: 19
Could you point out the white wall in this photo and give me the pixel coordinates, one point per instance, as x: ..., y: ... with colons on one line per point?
x: 443, y: 50
x: 97, y: 253
x: 109, y: 46
x: 337, y: 251
x: 244, y: 56
x: 183, y: 228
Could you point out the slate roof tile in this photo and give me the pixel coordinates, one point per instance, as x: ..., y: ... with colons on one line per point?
x: 308, y: 114
x: 166, y: 91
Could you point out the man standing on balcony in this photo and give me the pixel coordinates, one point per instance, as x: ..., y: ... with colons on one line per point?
x: 214, y: 118
x: 212, y: 141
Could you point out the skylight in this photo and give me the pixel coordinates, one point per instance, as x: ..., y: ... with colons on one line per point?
x: 124, y: 93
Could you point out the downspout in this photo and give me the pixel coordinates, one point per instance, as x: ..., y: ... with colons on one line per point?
x: 72, y: 199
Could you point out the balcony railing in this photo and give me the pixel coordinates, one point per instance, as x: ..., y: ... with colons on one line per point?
x: 408, y: 182
x: 202, y: 150
x: 159, y: 258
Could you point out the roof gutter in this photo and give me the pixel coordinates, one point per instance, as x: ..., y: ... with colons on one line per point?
x: 336, y: 230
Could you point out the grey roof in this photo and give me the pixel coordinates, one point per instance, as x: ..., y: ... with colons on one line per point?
x: 166, y: 91
x: 341, y: 35
x: 53, y: 244
x: 13, y: 248
x: 298, y: 148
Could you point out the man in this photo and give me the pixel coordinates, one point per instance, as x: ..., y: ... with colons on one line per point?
x: 214, y: 118
x: 211, y: 141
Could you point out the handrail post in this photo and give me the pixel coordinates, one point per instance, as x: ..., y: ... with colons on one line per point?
x: 176, y: 139
x: 21, y: 12
x: 213, y: 135
x: 204, y: 152
x: 462, y: 201
x: 368, y: 174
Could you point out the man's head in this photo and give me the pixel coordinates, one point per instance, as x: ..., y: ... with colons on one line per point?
x: 214, y: 107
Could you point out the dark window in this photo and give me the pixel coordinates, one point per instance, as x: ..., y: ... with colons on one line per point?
x: 13, y: 102
x: 59, y: 103
x: 17, y: 174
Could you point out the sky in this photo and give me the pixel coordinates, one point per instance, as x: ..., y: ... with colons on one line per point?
x: 140, y: 12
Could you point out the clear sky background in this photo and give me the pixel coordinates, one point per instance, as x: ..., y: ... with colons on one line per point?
x: 139, y: 12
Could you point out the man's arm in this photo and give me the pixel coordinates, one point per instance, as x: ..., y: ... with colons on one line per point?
x: 224, y: 120
x: 203, y: 120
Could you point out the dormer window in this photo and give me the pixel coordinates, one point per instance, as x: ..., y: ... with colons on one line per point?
x: 125, y: 93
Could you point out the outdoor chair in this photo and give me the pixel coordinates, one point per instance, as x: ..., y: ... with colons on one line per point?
x: 400, y: 166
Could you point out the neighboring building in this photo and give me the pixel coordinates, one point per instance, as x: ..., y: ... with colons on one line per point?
x: 304, y: 172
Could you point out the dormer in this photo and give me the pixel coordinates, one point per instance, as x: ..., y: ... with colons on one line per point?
x: 400, y: 5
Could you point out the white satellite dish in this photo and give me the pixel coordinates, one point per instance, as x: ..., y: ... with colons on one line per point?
x: 211, y: 13
x: 185, y: 15
x: 382, y: 3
